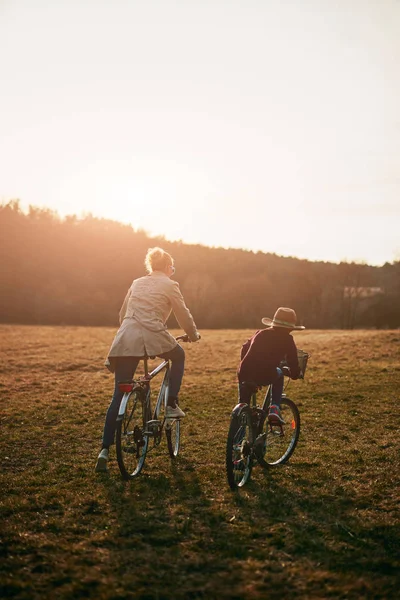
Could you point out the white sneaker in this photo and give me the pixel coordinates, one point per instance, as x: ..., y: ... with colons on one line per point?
x: 174, y: 412
x: 102, y: 459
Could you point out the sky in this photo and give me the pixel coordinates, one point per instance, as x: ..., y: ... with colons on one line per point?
x: 267, y: 125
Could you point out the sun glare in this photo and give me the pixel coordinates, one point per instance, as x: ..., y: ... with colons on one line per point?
x: 140, y: 122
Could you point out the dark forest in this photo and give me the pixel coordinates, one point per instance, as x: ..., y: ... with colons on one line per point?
x: 76, y: 271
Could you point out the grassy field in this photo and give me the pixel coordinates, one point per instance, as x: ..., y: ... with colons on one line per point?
x: 324, y: 526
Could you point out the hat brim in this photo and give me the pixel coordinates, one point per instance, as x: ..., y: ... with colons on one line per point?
x: 268, y: 321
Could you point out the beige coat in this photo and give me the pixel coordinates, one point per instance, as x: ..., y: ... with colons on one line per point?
x: 143, y: 317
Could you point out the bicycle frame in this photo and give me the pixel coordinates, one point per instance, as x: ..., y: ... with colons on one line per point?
x: 254, y: 437
x: 144, y: 384
x: 138, y: 423
x: 253, y: 402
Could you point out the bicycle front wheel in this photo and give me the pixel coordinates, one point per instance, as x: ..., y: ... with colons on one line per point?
x: 239, y: 459
x: 172, y: 431
x: 131, y: 441
x: 279, y: 441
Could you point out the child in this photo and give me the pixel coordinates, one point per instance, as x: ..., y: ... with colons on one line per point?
x: 262, y: 354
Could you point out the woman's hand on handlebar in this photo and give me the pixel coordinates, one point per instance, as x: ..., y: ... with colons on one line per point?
x: 185, y: 338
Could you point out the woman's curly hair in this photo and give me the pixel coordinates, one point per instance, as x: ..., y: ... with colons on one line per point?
x: 157, y: 259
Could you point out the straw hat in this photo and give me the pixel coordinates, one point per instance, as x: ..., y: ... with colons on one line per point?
x: 284, y: 317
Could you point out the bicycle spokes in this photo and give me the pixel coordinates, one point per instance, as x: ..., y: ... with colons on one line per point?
x: 239, y: 458
x: 281, y: 438
x: 131, y: 438
x: 172, y: 432
x: 276, y: 429
x: 241, y: 453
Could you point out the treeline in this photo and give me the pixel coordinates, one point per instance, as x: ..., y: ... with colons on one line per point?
x: 77, y: 270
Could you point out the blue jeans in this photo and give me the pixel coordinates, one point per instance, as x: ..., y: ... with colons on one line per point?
x: 245, y: 392
x: 125, y: 367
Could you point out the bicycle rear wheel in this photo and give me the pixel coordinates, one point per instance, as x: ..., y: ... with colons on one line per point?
x: 239, y: 459
x: 131, y: 441
x: 172, y: 431
x: 280, y: 441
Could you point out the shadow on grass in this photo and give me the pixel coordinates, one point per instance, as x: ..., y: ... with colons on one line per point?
x: 174, y: 543
x: 182, y: 536
x: 326, y: 527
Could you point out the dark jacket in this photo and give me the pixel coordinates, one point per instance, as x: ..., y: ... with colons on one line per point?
x: 262, y: 354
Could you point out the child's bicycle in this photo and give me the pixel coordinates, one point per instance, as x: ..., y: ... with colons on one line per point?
x: 252, y: 439
x: 137, y: 425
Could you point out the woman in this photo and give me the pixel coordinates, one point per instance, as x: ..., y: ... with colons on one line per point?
x: 143, y: 330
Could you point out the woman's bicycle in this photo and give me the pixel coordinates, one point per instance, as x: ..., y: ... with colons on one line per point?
x: 138, y: 425
x: 253, y: 439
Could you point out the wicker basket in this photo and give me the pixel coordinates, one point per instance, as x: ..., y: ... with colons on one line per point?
x: 303, y: 359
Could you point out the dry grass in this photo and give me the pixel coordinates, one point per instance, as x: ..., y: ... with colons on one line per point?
x: 324, y: 526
